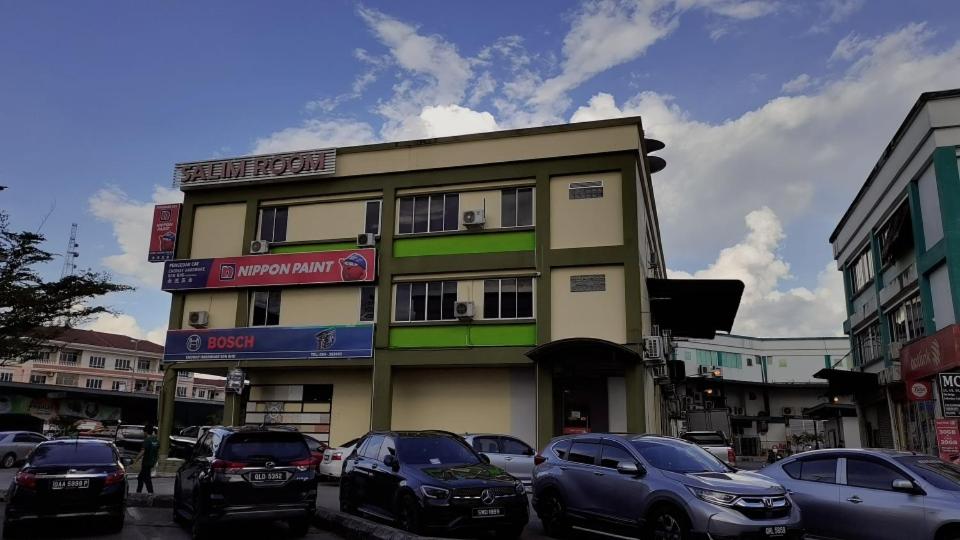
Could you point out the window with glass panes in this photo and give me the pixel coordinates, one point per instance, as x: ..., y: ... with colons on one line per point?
x: 265, y: 307
x: 425, y: 301
x: 95, y: 384
x: 368, y: 303
x: 6, y: 376
x: 516, y: 207
x: 123, y: 364
x: 906, y: 320
x: 143, y: 365
x: 273, y: 224
x: 38, y: 379
x: 372, y: 217
x: 429, y: 213
x: 98, y: 362
x: 508, y: 298
x: 861, y: 272
x: 867, y: 344
x: 181, y: 391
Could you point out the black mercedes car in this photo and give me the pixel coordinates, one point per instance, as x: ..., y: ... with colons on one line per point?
x: 68, y: 478
x: 237, y: 474
x: 431, y: 481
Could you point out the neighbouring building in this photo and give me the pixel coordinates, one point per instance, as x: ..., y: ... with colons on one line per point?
x: 898, y: 246
x: 498, y: 282
x: 768, y: 387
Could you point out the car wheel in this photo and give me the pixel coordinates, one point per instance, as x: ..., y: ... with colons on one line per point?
x: 667, y: 524
x: 553, y: 514
x: 8, y: 461
x: 408, y: 514
x: 299, y: 527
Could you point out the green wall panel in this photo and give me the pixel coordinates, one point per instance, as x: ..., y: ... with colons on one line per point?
x: 309, y: 248
x: 460, y: 244
x: 481, y: 335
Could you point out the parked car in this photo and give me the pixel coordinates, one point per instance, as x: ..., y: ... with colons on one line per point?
x: 509, y: 453
x: 714, y: 442
x: 657, y: 487
x: 16, y: 445
x: 873, y: 494
x: 181, y: 444
x: 89, y: 428
x: 332, y: 464
x: 238, y: 474
x: 431, y: 481
x: 78, y: 478
x: 316, y: 450
x: 129, y: 439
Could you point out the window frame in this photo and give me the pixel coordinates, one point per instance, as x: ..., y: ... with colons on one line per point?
x: 366, y: 223
x: 115, y: 386
x: 876, y: 462
x: 119, y: 363
x: 6, y: 376
x: 408, y: 302
x: 101, y: 362
x: 613, y: 444
x: 596, y: 456
x: 514, y: 192
x: 35, y: 377
x: 862, y: 268
x: 97, y: 384
x: 269, y: 292
x: 516, y: 293
x: 529, y: 452
x: 360, y: 291
x: 427, y: 218
x: 273, y: 225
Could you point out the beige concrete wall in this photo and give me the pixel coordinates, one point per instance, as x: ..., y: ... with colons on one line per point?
x: 461, y: 400
x: 352, y: 390
x: 222, y: 306
x: 325, y: 221
x: 600, y: 314
x: 586, y: 222
x: 302, y: 306
x: 218, y: 230
x: 488, y: 200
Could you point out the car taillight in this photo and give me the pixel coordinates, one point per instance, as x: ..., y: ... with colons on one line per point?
x: 114, y: 478
x: 304, y: 464
x: 538, y: 459
x: 731, y: 455
x: 227, y: 466
x: 26, y: 480
x: 337, y: 456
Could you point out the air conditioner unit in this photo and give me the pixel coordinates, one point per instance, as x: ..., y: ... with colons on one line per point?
x: 895, y: 347
x: 787, y: 411
x: 474, y: 218
x: 366, y: 240
x: 653, y: 348
x: 463, y: 310
x: 259, y: 246
x: 738, y: 411
x: 199, y: 319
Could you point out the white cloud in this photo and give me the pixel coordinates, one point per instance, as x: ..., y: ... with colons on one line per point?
x: 130, y: 220
x: 442, y: 121
x: 768, y: 308
x: 797, y: 84
x: 128, y: 326
x: 316, y: 134
x: 835, y: 12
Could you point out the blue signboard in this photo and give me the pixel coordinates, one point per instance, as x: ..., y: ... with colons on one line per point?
x: 270, y: 343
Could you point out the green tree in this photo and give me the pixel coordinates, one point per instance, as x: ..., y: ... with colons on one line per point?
x: 33, y: 310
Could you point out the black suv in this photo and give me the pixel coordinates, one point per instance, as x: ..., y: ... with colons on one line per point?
x: 431, y: 480
x: 238, y: 474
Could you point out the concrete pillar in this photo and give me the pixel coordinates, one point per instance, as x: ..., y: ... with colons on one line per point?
x: 381, y: 408
x: 545, y: 416
x: 165, y: 404
x: 232, y: 409
x: 636, y: 408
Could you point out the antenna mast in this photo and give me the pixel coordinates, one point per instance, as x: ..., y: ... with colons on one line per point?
x: 70, y: 256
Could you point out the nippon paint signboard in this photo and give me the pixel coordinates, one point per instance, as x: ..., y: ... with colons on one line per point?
x: 354, y: 265
x: 270, y: 343
x: 163, y: 232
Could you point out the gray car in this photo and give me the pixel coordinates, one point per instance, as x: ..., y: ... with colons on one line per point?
x: 858, y: 494
x: 509, y: 453
x: 15, y: 445
x: 656, y: 486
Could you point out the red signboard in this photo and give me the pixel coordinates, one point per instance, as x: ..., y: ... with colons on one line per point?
x: 920, y: 390
x: 931, y: 355
x: 948, y: 439
x: 355, y: 265
x: 163, y: 232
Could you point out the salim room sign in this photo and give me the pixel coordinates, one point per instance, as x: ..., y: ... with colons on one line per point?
x: 354, y: 265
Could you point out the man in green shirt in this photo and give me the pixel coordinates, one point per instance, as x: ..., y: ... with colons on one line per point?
x: 149, y: 454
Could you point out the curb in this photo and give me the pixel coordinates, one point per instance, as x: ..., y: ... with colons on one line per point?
x: 358, y: 528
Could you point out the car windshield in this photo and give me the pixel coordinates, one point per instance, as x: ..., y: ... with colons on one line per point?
x: 282, y: 447
x: 939, y: 473
x: 72, y: 454
x: 131, y: 432
x: 434, y: 451
x: 677, y: 456
x: 706, y: 439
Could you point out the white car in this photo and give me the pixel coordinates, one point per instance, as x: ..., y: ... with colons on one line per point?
x: 509, y: 453
x: 333, y: 457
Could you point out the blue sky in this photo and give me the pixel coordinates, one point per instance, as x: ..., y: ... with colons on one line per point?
x: 773, y: 112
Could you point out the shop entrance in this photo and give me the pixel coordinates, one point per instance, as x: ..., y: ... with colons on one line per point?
x: 582, y: 406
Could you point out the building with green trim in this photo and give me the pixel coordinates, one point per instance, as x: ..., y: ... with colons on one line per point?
x: 511, y: 291
x: 898, y: 246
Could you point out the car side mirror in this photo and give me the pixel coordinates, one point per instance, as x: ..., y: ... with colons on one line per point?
x: 126, y: 461
x: 629, y: 467
x: 391, y: 461
x: 904, y: 485
x: 484, y: 458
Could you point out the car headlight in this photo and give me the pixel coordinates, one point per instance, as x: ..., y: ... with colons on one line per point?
x: 715, y: 497
x: 432, y: 492
x: 521, y: 490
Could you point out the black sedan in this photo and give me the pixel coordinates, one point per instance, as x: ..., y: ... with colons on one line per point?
x: 75, y: 478
x: 431, y: 481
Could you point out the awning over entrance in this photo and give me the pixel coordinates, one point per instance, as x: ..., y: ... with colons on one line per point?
x: 695, y: 308
x: 582, y: 348
x: 843, y: 382
x: 827, y: 411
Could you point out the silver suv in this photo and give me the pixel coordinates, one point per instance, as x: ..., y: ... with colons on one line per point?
x: 656, y: 486
x: 509, y: 453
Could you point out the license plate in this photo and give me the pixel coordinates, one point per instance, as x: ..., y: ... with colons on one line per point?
x: 268, y: 476
x: 71, y: 484
x: 775, y: 532
x: 487, y: 512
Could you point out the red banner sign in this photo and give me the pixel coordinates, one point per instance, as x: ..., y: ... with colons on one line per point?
x: 163, y: 232
x: 948, y: 439
x: 920, y: 390
x: 355, y: 265
x: 931, y: 355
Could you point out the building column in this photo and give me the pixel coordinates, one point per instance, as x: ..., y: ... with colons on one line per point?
x: 877, y: 286
x: 232, y: 408
x: 165, y: 404
x: 948, y: 188
x: 381, y: 407
x: 919, y: 247
x: 636, y: 407
x: 545, y: 412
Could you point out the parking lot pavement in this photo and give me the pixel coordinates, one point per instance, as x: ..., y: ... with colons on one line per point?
x: 155, y: 523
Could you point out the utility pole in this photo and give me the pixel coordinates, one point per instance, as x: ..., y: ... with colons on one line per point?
x: 71, y: 254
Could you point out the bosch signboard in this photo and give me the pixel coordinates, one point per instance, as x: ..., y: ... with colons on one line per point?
x: 355, y: 265
x: 270, y: 343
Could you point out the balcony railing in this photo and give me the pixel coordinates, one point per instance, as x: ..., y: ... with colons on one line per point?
x: 71, y: 363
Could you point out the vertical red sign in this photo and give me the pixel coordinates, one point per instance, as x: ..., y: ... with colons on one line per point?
x: 163, y: 232
x: 948, y: 439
